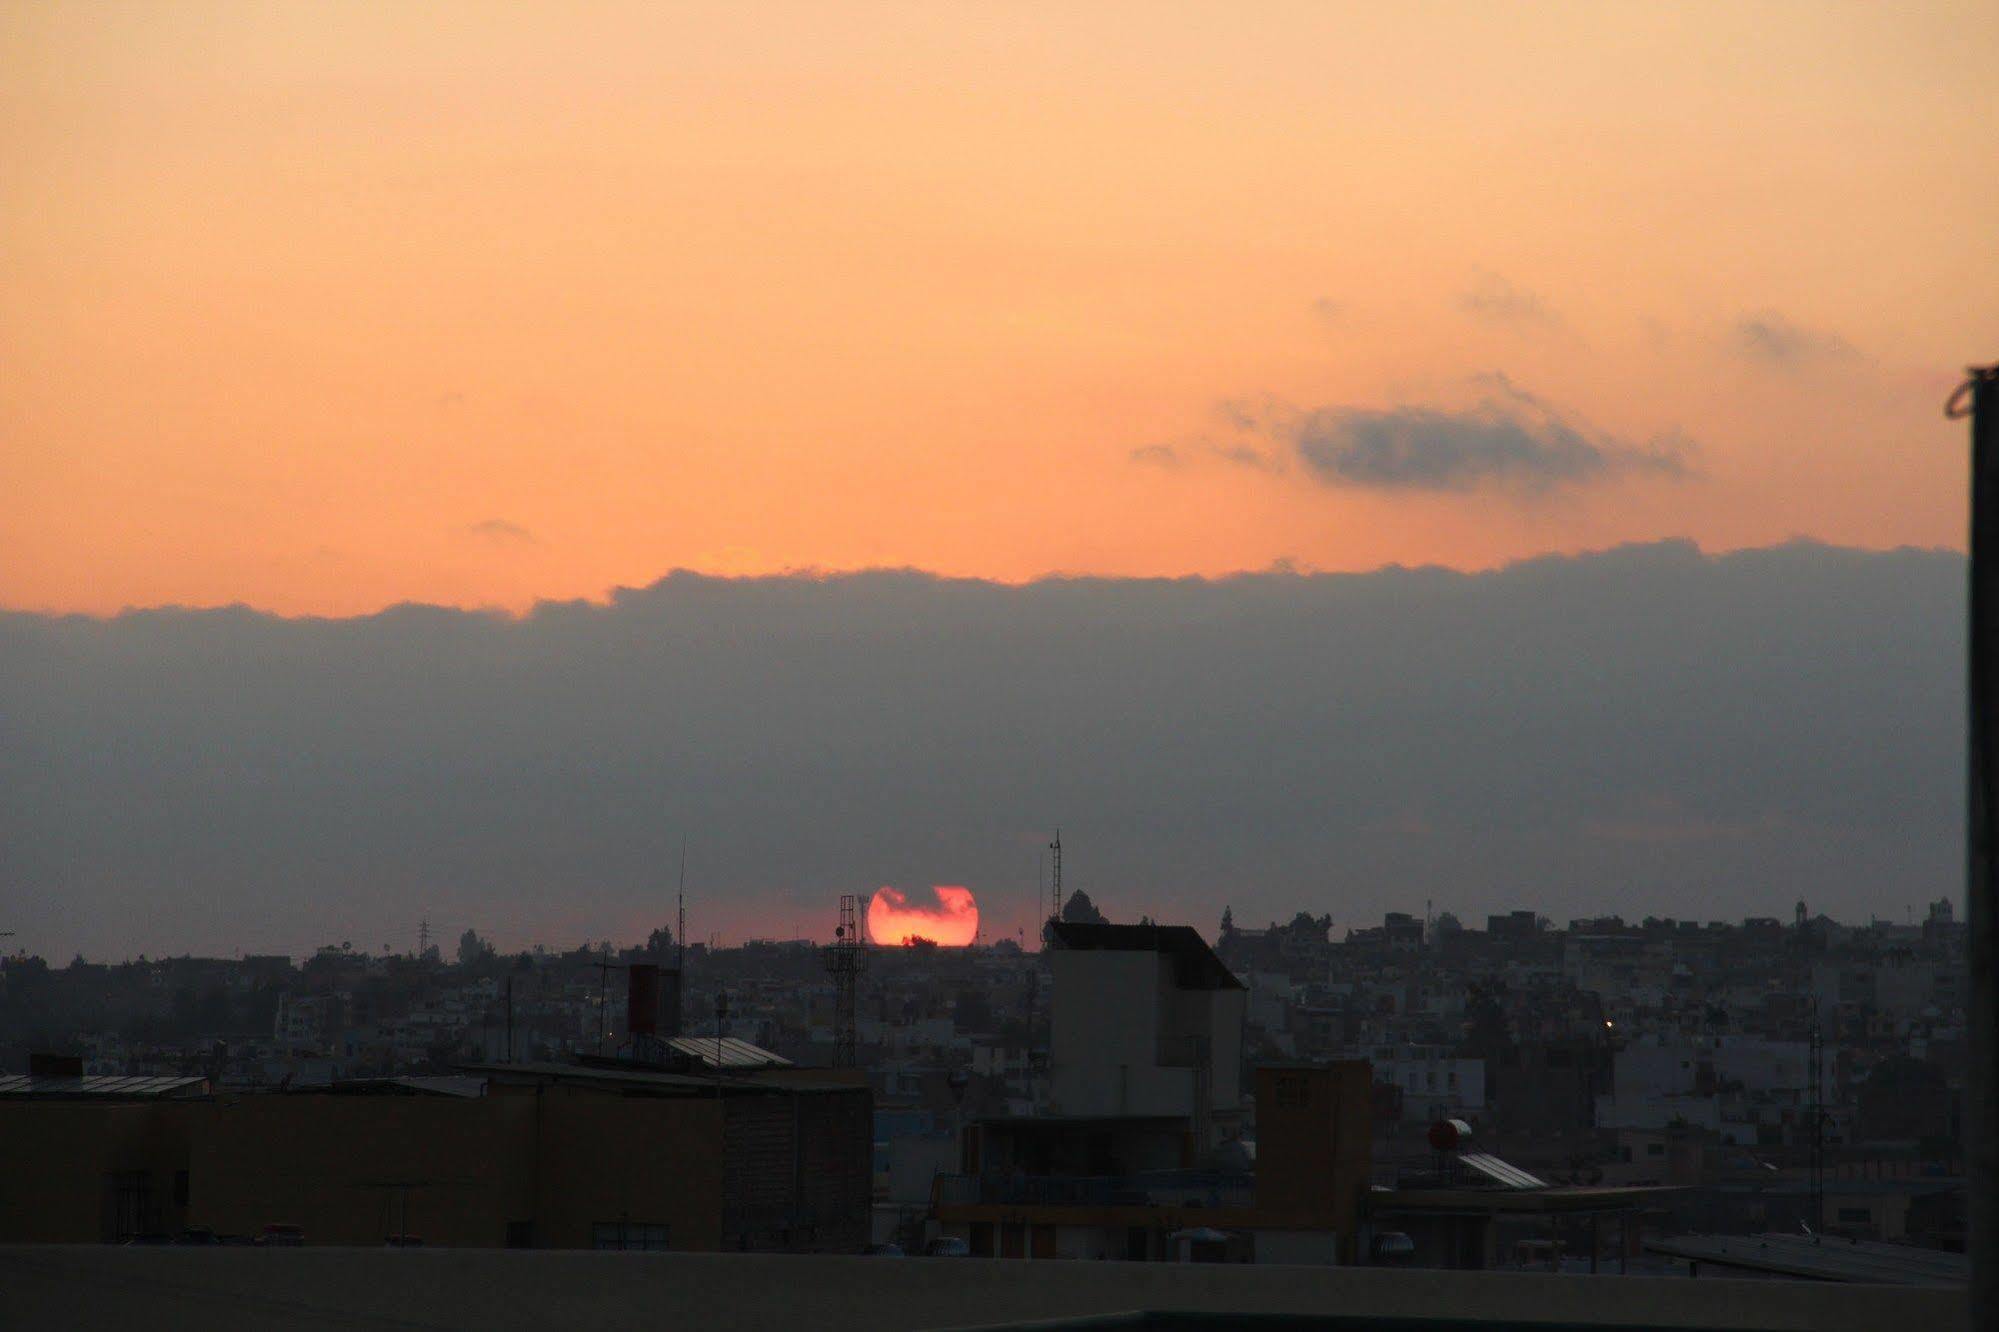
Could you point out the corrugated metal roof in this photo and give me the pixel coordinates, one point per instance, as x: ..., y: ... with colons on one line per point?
x: 727, y: 1052
x: 1825, y: 1258
x: 1499, y: 1172
x: 102, y: 1084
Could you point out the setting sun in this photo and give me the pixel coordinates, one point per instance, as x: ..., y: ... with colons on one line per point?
x: 952, y: 920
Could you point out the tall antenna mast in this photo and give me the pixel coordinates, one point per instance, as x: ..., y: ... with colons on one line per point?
x: 1055, y: 877
x: 846, y: 959
x: 680, y: 944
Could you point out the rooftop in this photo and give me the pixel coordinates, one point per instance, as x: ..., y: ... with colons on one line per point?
x: 1822, y: 1257
x: 110, y: 1086
x: 1194, y: 963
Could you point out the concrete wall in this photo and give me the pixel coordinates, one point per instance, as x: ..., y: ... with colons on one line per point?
x: 349, y: 1169
x: 542, y: 1167
x: 638, y: 1160
x: 1295, y: 1247
x: 164, y: 1290
x: 1314, y: 1144
x: 58, y: 1160
x: 1123, y: 1036
x: 1104, y: 1029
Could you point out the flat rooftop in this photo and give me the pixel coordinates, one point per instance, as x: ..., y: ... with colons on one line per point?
x: 1821, y: 1258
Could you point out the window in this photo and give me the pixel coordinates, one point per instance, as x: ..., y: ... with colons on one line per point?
x: 1655, y: 1149
x: 1293, y: 1089
x: 628, y: 1235
x: 180, y: 1188
x: 131, y: 1205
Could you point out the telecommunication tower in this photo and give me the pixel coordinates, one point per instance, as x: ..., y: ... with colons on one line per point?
x: 846, y: 960
x: 1055, y: 877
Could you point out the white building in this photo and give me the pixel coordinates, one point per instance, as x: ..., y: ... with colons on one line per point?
x: 1146, y: 1021
x: 1435, y: 1084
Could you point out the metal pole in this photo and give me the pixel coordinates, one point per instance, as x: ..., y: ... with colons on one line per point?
x: 1817, y: 1104
x: 1981, y: 1129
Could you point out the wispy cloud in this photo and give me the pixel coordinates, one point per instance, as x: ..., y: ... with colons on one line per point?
x: 1509, y: 440
x: 1772, y: 339
x: 500, y: 530
x: 1157, y: 455
x: 1494, y: 299
x: 1244, y: 455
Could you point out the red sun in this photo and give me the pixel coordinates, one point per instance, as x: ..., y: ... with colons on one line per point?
x: 952, y: 920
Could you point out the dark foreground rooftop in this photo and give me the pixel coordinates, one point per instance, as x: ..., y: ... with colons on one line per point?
x: 1821, y: 1258
x: 162, y: 1289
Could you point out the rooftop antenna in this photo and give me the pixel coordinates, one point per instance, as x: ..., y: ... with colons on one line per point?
x: 846, y: 959
x: 1055, y: 878
x: 680, y: 941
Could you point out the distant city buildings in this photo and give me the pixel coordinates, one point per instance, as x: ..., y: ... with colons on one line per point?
x: 1129, y: 1064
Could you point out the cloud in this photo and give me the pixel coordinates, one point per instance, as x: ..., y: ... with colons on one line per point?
x: 1772, y: 339
x: 1511, y: 440
x: 502, y: 531
x: 205, y: 780
x: 1242, y: 455
x: 1157, y: 455
x: 1491, y: 297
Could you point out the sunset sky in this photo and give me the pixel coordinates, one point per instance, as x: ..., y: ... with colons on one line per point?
x: 322, y: 308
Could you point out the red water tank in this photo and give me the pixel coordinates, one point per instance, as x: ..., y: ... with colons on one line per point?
x: 1447, y: 1135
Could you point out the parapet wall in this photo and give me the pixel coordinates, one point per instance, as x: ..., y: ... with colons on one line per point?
x: 162, y: 1289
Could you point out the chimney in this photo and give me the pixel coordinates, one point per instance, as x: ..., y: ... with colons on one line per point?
x: 642, y: 1000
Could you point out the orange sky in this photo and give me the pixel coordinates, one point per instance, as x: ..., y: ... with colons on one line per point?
x: 322, y: 308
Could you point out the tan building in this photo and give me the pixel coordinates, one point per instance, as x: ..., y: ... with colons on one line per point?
x: 542, y: 1156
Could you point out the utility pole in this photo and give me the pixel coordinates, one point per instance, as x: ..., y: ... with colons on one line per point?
x: 721, y: 1025
x: 1978, y: 398
x: 605, y: 966
x: 680, y: 944
x: 1818, y: 1130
